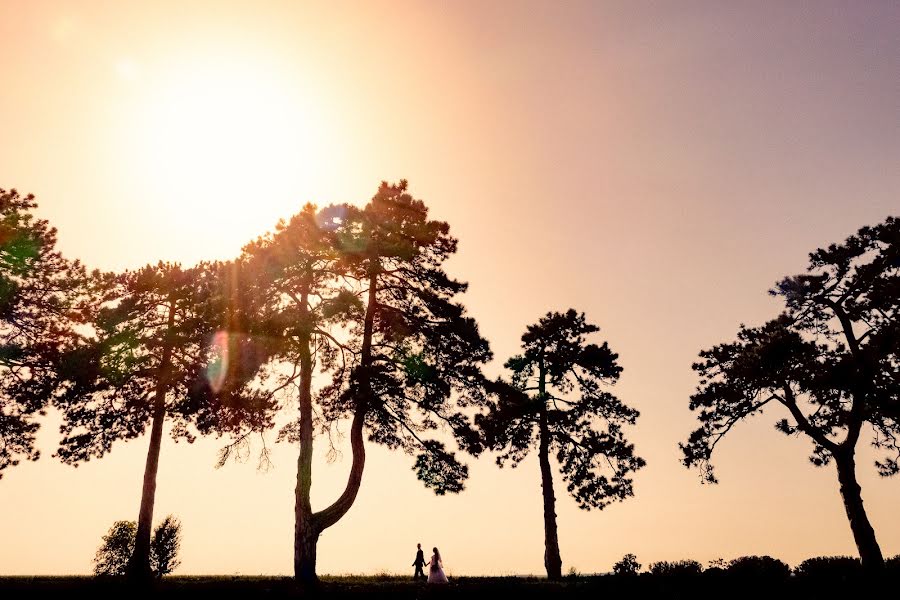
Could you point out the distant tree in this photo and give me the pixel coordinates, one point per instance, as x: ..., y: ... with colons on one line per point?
x: 830, y: 360
x: 115, y: 552
x: 558, y: 402
x: 152, y: 344
x: 758, y: 567
x: 38, y: 289
x: 829, y: 567
x: 361, y: 294
x: 627, y: 566
x: 678, y: 568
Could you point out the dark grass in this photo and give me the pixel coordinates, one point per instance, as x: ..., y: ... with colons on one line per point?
x: 467, y: 588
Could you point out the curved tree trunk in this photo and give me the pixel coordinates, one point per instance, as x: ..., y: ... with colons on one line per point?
x: 552, y: 560
x: 139, y: 565
x: 309, y: 525
x: 863, y: 533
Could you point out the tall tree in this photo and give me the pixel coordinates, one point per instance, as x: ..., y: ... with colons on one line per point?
x: 558, y: 401
x: 38, y: 288
x: 362, y: 294
x: 152, y: 347
x: 831, y: 361
x: 295, y: 274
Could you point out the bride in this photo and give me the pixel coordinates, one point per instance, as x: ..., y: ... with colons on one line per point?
x: 436, y: 573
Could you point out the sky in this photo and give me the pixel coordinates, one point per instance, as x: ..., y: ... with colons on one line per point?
x: 656, y: 165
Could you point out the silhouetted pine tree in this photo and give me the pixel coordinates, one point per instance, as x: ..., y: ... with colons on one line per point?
x: 558, y: 402
x: 151, y: 353
x: 831, y: 361
x: 361, y: 295
x: 38, y: 290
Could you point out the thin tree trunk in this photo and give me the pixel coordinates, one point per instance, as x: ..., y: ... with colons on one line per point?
x: 306, y: 533
x: 139, y: 565
x: 552, y: 560
x: 863, y: 533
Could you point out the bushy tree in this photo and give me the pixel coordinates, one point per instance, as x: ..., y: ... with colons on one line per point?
x: 758, y: 567
x: 558, y: 402
x: 38, y: 290
x: 152, y: 346
x: 627, y: 566
x: 361, y: 295
x: 115, y: 551
x: 829, y: 567
x: 830, y: 361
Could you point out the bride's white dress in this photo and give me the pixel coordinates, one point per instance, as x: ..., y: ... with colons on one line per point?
x: 436, y: 573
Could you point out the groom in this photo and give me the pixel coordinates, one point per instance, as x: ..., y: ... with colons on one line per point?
x: 419, y: 563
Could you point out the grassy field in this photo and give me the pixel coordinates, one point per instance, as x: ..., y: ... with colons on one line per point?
x: 468, y: 588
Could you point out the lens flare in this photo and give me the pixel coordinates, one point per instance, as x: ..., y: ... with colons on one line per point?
x: 217, y: 370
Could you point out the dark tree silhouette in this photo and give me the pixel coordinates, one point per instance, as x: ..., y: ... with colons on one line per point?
x: 152, y: 344
x: 831, y: 360
x: 361, y: 294
x: 295, y: 274
x: 557, y: 402
x: 114, y: 554
x: 37, y: 290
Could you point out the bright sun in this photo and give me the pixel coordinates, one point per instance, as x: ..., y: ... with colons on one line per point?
x: 224, y: 141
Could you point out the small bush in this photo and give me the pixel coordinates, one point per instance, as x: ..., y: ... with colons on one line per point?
x: 893, y: 564
x: 758, y: 566
x: 165, y: 545
x: 115, y: 551
x: 112, y: 557
x: 627, y: 566
x: 677, y: 567
x: 829, y: 567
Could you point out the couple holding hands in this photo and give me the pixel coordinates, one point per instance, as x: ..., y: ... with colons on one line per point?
x: 435, y: 572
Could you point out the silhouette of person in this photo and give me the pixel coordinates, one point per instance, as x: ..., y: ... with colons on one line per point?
x: 436, y: 573
x: 419, y: 563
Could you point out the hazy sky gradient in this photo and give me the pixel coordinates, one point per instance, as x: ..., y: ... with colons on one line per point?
x: 657, y: 165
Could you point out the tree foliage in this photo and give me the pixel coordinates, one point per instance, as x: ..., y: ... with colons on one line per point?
x: 153, y: 347
x: 563, y: 376
x: 832, y: 359
x: 38, y: 288
x: 420, y: 355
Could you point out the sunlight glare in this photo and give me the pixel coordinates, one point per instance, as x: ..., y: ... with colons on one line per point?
x: 226, y: 144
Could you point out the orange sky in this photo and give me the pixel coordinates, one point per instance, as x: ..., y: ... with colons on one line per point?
x: 657, y: 166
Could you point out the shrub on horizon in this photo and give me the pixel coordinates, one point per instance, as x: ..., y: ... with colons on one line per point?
x: 758, y: 566
x: 829, y: 567
x: 114, y: 553
x: 677, y: 567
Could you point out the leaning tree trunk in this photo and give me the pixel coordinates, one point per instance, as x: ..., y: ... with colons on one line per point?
x: 552, y: 560
x: 139, y: 565
x: 863, y: 533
